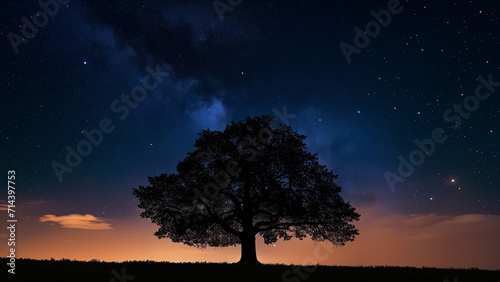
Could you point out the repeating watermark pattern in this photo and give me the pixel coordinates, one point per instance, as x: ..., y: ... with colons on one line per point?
x: 29, y: 28
x: 221, y: 7
x: 11, y: 222
x: 455, y: 117
x: 372, y: 29
x: 122, y: 106
x: 121, y: 277
x: 285, y: 116
x: 309, y: 264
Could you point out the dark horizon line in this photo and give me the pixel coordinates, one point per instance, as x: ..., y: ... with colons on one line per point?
x: 262, y: 264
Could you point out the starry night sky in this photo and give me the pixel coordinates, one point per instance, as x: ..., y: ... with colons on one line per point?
x: 358, y: 116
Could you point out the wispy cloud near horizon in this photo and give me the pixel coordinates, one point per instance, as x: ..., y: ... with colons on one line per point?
x: 78, y: 221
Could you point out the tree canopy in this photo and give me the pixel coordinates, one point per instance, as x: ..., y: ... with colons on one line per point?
x: 254, y: 178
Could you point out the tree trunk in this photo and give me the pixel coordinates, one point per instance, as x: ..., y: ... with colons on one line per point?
x: 248, y: 251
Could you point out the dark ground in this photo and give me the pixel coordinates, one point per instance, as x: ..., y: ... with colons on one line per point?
x: 75, y: 271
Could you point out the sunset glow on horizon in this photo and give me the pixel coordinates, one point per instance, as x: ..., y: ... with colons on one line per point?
x: 397, y: 240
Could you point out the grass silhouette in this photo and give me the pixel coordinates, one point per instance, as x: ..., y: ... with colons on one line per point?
x: 137, y: 271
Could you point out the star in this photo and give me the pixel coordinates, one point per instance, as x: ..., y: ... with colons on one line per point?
x: 84, y: 63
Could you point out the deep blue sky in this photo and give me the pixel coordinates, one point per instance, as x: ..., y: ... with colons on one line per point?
x: 358, y: 116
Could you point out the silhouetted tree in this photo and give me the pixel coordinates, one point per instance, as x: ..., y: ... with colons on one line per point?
x: 253, y: 178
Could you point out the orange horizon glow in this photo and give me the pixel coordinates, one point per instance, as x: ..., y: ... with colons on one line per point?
x: 463, y: 241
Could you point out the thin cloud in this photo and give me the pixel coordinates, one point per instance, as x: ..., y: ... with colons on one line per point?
x: 427, y: 226
x: 77, y: 221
